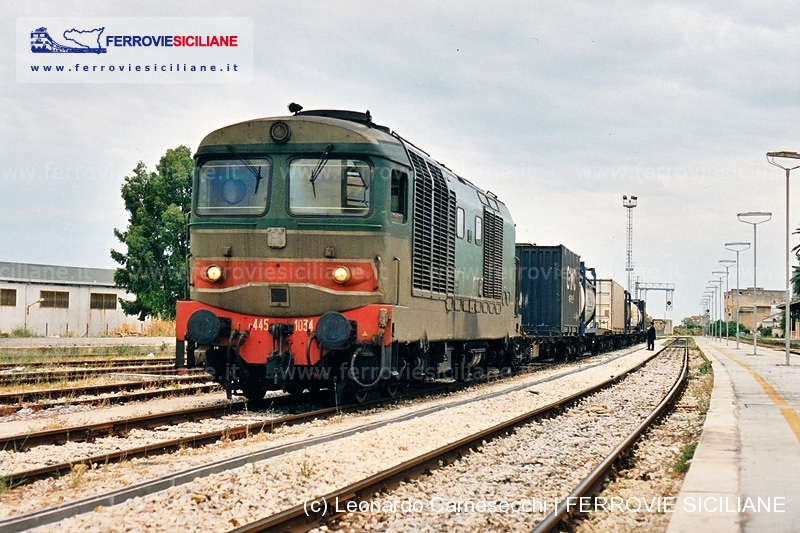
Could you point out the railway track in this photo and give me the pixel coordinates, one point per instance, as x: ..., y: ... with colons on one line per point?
x: 572, y: 504
x: 20, y: 397
x: 74, y: 374
x: 222, y: 466
x: 27, y: 363
x: 93, y: 432
x: 333, y: 505
x: 121, y: 428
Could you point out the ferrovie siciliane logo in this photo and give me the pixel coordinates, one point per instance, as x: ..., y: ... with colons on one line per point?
x: 134, y: 49
x: 83, y: 41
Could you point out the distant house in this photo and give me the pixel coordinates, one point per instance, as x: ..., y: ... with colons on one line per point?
x: 775, y: 323
x: 765, y: 300
x: 51, y: 300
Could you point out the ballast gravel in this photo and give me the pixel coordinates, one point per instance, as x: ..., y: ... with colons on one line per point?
x: 226, y: 500
x: 512, y: 483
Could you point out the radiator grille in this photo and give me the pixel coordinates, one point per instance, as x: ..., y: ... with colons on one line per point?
x: 434, y: 246
x: 492, y: 255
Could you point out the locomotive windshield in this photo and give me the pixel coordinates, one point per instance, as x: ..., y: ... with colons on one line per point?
x: 329, y: 186
x: 231, y: 187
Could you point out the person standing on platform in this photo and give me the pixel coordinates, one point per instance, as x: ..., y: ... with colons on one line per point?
x: 651, y: 337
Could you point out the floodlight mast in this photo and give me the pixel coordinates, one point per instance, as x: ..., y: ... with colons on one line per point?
x: 629, y: 204
x: 787, y: 328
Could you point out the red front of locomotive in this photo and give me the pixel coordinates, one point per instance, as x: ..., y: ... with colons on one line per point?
x: 274, y: 352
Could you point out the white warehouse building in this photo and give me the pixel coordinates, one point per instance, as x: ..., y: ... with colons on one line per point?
x: 50, y: 300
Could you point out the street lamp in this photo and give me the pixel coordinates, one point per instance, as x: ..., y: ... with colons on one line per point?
x: 737, y: 247
x: 727, y: 264
x: 755, y: 218
x: 704, y: 313
x: 709, y: 311
x: 771, y: 160
x: 720, y: 274
x: 713, y: 297
x: 28, y: 310
x: 717, y: 288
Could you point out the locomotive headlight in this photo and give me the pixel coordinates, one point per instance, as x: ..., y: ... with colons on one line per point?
x: 214, y: 273
x: 280, y: 132
x: 341, y: 275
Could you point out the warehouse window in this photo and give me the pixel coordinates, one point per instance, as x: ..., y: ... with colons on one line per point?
x: 8, y: 297
x: 55, y: 299
x: 100, y: 300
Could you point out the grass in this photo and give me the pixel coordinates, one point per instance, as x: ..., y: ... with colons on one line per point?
x: 684, y: 459
x: 23, y: 332
x: 76, y: 475
x: 306, y: 468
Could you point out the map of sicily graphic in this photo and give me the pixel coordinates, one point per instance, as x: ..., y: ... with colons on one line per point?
x: 87, y: 41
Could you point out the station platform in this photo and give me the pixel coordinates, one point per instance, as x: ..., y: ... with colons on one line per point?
x: 745, y: 474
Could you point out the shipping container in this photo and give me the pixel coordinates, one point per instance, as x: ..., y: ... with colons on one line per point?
x: 550, y: 290
x: 610, y: 312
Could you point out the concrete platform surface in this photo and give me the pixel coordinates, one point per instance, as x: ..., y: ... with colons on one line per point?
x: 745, y: 475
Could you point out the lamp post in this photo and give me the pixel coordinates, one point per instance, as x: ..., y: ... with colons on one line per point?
x: 787, y: 329
x: 722, y: 274
x: 727, y: 264
x: 709, y: 309
x: 717, y: 288
x: 737, y: 247
x: 704, y: 307
x: 755, y: 218
x: 712, y: 296
x: 28, y: 310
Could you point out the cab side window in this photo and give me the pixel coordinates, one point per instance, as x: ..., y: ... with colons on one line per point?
x: 399, y: 205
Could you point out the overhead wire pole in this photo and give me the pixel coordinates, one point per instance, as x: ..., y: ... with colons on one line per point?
x: 787, y: 329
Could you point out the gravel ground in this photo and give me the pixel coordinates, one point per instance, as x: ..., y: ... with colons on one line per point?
x: 224, y: 500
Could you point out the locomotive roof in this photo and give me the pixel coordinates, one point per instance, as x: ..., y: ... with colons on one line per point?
x: 306, y: 127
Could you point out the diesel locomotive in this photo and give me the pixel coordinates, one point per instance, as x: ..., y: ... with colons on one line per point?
x: 326, y: 251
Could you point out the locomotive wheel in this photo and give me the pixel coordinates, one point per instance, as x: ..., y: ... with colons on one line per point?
x: 254, y: 392
x: 393, y: 389
x: 294, y: 389
x: 360, y: 395
x: 349, y: 392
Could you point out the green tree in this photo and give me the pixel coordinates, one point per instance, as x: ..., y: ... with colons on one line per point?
x: 154, y: 266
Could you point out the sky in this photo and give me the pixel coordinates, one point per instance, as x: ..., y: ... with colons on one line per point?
x: 559, y: 108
